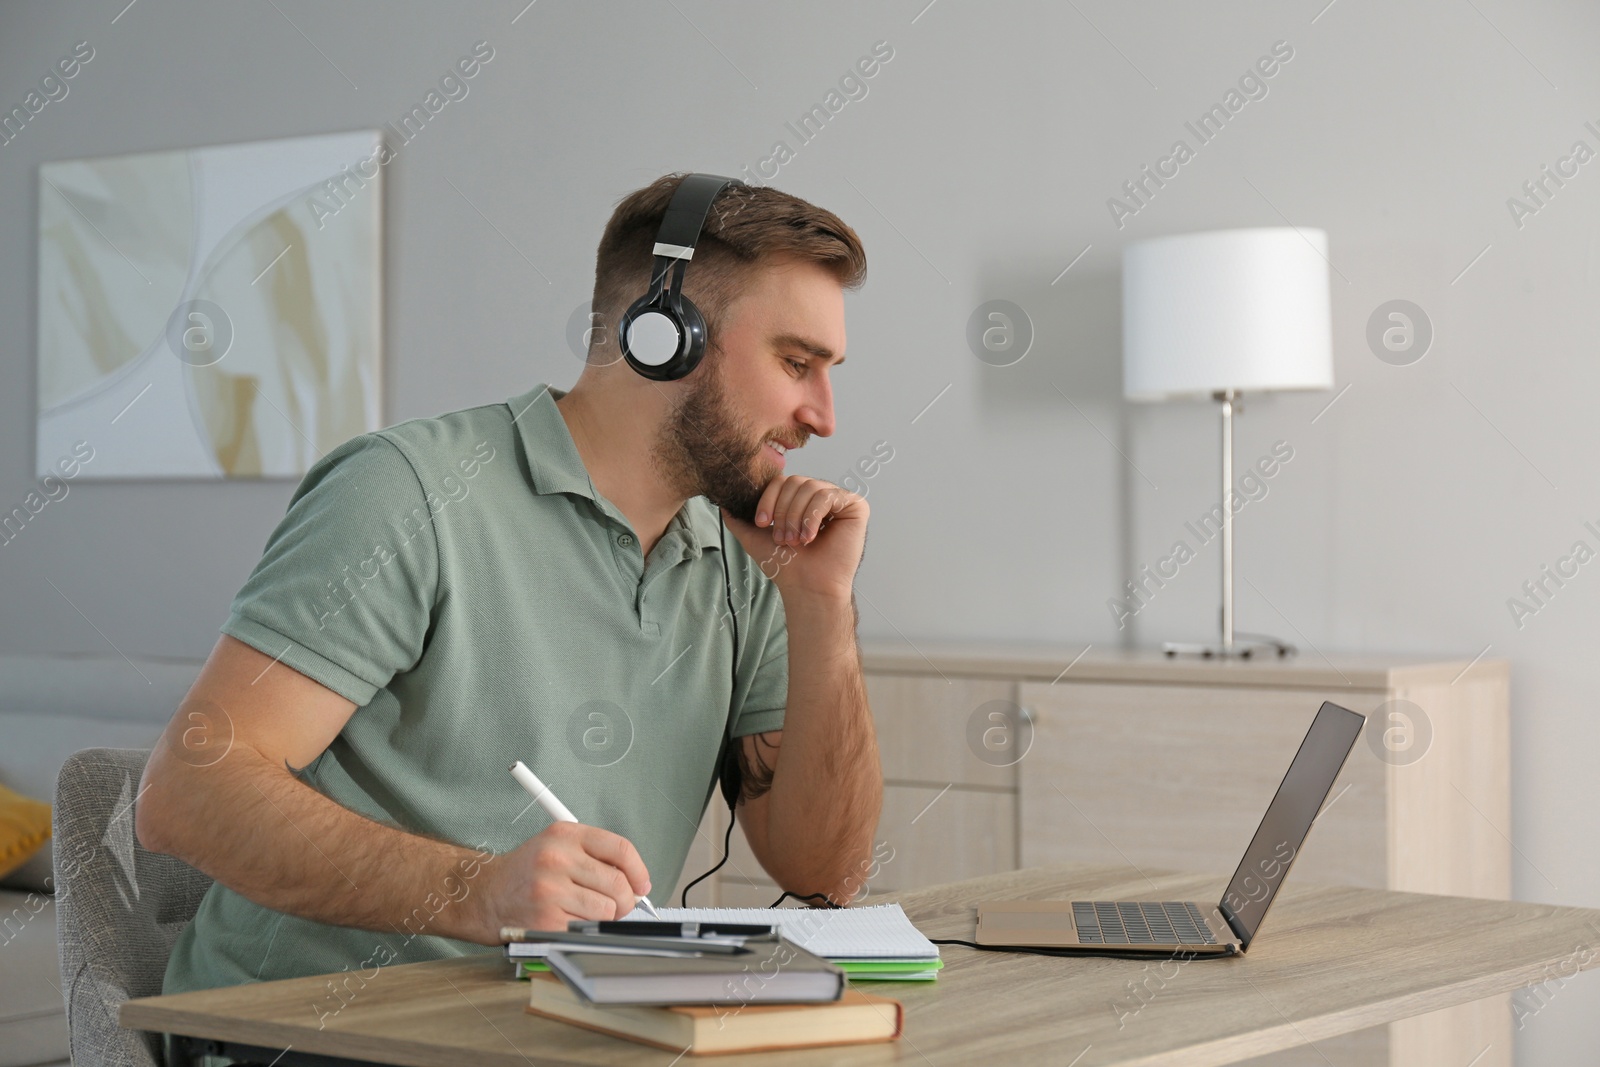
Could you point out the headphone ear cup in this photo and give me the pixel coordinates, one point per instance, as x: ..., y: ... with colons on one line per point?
x: 650, y: 338
x: 663, y: 344
x: 694, y: 338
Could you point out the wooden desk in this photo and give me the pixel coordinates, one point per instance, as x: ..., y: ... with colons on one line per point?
x: 1114, y: 762
x: 1329, y: 960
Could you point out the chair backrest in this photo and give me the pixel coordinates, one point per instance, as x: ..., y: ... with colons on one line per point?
x: 119, y: 908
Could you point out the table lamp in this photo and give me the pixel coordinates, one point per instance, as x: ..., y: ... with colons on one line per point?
x: 1216, y: 315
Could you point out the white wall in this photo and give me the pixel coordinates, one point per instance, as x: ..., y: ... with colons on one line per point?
x: 977, y: 167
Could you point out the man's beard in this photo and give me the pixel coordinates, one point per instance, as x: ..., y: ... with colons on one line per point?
x: 704, y: 449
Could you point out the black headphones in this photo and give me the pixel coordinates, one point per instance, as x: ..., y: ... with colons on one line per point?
x: 663, y: 335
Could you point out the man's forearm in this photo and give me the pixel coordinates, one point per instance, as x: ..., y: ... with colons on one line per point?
x: 827, y: 787
x: 264, y: 834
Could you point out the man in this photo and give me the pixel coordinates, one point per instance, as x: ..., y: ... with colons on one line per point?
x: 542, y: 580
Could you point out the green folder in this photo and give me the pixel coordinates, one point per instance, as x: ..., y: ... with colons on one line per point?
x: 902, y: 970
x: 857, y: 970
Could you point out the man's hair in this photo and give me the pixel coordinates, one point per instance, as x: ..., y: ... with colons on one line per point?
x: 746, y: 226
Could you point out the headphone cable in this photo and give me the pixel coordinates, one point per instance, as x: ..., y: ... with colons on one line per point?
x: 729, y: 753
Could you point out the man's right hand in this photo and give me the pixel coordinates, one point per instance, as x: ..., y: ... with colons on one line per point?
x: 567, y: 871
x: 222, y: 793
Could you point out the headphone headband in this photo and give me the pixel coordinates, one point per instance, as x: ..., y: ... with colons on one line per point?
x: 663, y: 335
x: 686, y: 214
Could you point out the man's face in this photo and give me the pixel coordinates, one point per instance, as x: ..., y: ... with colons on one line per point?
x: 762, y: 390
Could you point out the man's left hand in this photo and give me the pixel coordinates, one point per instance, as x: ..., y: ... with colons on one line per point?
x: 808, y: 536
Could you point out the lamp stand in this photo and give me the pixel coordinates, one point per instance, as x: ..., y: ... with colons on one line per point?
x: 1228, y: 647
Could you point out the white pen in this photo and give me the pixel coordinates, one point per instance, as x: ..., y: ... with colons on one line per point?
x: 558, y: 811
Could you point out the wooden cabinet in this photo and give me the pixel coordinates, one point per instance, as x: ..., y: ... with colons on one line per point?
x: 1178, y: 776
x: 996, y: 757
x: 947, y: 814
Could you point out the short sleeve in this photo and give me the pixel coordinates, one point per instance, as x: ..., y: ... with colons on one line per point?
x: 345, y: 588
x: 763, y: 670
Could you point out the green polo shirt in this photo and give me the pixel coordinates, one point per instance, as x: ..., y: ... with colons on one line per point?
x: 463, y: 583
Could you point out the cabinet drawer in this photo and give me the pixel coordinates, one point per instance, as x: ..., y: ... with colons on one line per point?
x: 935, y: 834
x: 943, y: 835
x: 923, y: 725
x: 1178, y: 777
x: 736, y: 893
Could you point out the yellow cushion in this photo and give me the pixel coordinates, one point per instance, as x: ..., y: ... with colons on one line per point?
x: 24, y: 826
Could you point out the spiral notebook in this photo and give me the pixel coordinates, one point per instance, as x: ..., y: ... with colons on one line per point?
x: 872, y: 942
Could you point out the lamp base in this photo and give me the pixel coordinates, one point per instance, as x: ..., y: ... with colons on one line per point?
x: 1262, y: 647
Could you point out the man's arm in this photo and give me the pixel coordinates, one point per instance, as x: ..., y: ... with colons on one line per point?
x: 221, y: 792
x: 810, y: 816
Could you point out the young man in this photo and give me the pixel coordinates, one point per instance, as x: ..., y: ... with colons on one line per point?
x: 542, y: 580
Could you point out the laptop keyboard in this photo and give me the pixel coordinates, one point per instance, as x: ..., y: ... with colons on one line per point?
x: 1104, y: 922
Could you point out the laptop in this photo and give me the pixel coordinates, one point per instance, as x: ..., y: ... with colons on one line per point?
x: 1162, y: 928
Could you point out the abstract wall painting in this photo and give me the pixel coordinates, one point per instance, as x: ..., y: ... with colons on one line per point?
x: 211, y: 312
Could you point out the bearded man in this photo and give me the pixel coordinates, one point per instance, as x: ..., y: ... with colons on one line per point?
x: 548, y: 580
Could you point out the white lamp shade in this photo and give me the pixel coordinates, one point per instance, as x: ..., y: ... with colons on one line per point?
x: 1245, y: 310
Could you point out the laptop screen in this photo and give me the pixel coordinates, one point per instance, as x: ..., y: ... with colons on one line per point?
x: 1288, y: 819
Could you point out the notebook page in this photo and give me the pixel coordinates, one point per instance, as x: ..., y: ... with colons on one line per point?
x: 879, y: 931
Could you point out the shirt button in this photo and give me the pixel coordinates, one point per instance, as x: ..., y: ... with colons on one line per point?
x: 625, y: 540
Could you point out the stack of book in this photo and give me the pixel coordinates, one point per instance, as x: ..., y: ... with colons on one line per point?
x: 855, y: 1018
x: 701, y: 991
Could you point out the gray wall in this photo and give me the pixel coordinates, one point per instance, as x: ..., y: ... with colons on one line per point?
x: 977, y: 167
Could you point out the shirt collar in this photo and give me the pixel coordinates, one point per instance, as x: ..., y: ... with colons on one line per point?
x: 554, y: 466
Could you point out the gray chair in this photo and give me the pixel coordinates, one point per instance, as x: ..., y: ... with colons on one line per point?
x: 119, y: 907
